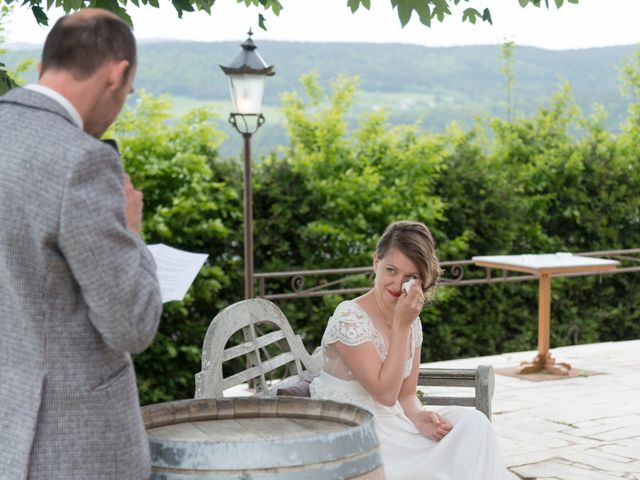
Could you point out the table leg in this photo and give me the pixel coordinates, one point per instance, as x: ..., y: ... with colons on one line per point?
x: 544, y: 314
x: 544, y: 360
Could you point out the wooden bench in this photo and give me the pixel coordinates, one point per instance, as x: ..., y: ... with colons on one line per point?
x: 270, y: 350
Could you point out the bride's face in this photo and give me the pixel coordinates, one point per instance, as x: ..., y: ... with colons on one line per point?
x: 392, y: 271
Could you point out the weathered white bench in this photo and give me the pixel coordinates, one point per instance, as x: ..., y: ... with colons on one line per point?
x: 270, y: 348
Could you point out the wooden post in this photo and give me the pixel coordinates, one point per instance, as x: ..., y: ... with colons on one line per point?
x: 544, y: 315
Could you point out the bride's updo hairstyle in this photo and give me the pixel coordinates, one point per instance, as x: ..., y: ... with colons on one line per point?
x: 415, y: 241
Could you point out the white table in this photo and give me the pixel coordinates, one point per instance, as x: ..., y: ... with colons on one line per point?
x: 544, y: 266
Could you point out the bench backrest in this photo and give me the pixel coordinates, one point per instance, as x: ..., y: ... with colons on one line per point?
x: 250, y: 318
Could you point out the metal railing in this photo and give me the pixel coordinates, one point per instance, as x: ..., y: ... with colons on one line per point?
x: 457, y: 273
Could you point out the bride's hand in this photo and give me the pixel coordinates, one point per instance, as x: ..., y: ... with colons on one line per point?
x: 409, y: 304
x: 431, y: 425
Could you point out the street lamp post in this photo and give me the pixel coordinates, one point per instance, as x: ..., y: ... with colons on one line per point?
x: 246, y: 75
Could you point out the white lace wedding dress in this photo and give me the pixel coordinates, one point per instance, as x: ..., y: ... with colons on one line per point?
x: 468, y: 452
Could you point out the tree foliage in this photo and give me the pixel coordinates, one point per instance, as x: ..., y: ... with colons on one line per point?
x: 426, y: 11
x: 10, y: 78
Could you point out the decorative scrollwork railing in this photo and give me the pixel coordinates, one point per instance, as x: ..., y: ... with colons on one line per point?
x: 346, y: 281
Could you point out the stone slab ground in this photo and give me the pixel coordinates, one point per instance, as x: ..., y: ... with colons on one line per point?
x: 579, y: 428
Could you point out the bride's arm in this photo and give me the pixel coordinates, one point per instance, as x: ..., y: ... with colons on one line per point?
x: 408, y: 397
x: 382, y: 380
x: 430, y: 424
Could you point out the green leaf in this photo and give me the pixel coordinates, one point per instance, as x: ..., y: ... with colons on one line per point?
x: 6, y: 82
x: 425, y: 18
x: 486, y: 16
x: 559, y: 3
x: 523, y: 3
x: 407, y: 7
x: 354, y: 5
x: 470, y: 15
x: 115, y: 7
x: 440, y: 9
x: 274, y: 5
x: 41, y: 17
x: 182, y: 6
x: 261, y: 21
x: 71, y: 5
x: 203, y: 5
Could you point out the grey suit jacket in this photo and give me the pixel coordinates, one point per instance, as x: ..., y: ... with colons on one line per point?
x: 78, y: 293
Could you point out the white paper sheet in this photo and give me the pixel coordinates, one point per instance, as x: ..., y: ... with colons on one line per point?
x: 176, y: 270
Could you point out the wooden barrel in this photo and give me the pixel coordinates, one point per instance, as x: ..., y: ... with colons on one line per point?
x: 253, y: 438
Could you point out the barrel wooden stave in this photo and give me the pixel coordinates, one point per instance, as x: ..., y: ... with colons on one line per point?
x: 346, y: 447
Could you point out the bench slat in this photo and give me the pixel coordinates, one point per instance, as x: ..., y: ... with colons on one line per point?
x: 446, y: 382
x: 255, y: 372
x: 246, y: 347
x: 448, y: 372
x: 462, y: 401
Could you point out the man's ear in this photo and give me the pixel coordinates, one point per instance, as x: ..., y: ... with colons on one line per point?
x: 39, y: 68
x: 118, y: 71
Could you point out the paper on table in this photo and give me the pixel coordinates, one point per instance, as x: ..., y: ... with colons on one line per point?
x: 176, y: 270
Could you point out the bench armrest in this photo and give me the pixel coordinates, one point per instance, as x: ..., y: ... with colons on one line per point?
x: 481, y: 379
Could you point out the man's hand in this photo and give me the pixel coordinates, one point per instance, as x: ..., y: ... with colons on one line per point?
x: 431, y: 425
x: 133, y: 206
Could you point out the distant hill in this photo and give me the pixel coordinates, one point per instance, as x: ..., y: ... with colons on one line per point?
x: 437, y: 85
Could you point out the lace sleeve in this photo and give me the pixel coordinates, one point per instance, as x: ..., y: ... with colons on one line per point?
x: 416, y: 333
x: 349, y: 325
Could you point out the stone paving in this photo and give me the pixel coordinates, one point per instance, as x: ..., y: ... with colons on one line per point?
x: 584, y: 427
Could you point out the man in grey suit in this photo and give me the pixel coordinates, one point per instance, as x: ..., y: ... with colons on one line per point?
x: 78, y: 288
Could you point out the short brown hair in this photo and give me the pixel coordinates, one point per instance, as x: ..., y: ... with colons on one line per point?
x: 81, y: 44
x: 415, y: 241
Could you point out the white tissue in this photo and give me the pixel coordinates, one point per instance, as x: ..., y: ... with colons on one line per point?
x: 407, y: 285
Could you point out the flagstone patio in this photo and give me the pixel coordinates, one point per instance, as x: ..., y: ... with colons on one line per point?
x: 583, y: 427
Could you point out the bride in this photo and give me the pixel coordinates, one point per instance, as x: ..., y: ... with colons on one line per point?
x: 371, y: 357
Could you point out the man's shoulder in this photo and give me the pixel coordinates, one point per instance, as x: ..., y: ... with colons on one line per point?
x: 23, y: 98
x: 30, y: 98
x: 47, y: 140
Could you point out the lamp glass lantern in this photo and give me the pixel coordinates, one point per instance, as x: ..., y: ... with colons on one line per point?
x: 246, y: 76
x: 246, y: 92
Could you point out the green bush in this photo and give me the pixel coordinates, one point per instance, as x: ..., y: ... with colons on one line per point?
x: 192, y: 201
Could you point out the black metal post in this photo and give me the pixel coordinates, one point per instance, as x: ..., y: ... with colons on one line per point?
x: 246, y: 128
x: 248, y: 219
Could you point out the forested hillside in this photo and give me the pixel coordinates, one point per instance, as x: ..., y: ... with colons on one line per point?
x: 434, y: 86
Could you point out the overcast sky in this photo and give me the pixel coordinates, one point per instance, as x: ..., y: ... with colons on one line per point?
x: 592, y: 23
